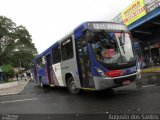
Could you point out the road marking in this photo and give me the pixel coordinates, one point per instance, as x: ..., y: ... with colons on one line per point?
x: 148, y: 86
x: 13, y: 101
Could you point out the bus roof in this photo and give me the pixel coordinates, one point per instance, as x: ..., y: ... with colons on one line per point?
x: 78, y: 31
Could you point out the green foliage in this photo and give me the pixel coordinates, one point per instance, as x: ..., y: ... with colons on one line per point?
x: 16, y: 45
x: 8, y: 71
x: 7, y: 28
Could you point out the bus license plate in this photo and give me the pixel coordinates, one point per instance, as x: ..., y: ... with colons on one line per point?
x: 126, y: 82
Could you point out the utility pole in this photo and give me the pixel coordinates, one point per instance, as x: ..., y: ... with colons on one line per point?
x: 20, y: 68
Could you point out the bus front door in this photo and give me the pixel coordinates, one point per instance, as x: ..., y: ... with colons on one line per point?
x: 84, y: 64
x: 49, y: 69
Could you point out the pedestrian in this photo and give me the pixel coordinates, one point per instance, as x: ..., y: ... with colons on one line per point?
x: 17, y: 76
x: 28, y: 75
x: 25, y: 76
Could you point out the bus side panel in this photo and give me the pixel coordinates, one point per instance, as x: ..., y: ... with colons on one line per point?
x: 70, y: 66
x: 42, y: 74
x: 57, y: 74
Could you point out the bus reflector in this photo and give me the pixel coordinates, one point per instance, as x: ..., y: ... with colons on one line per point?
x: 114, y: 73
x: 52, y: 85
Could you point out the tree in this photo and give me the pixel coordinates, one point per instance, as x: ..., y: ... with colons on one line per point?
x: 16, y: 45
x: 7, y: 29
x: 24, y: 49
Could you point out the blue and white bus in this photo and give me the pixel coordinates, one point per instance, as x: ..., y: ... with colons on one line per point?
x: 95, y: 56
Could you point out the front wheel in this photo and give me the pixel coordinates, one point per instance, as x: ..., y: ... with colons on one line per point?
x: 72, y: 86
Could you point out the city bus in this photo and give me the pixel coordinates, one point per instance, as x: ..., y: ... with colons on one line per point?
x: 95, y: 56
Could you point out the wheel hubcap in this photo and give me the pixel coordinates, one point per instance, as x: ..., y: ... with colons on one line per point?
x: 73, y: 86
x: 41, y: 84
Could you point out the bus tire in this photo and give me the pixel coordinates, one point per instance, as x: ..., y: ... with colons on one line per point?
x: 72, y: 86
x: 41, y: 83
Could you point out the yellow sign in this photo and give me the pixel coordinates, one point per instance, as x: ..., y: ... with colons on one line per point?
x: 135, y: 11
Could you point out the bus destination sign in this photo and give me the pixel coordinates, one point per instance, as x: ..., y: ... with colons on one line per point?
x: 107, y: 26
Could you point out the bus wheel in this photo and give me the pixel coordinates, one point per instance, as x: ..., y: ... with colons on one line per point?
x: 72, y: 86
x: 41, y: 83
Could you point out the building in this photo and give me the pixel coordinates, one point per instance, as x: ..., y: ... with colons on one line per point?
x: 142, y: 18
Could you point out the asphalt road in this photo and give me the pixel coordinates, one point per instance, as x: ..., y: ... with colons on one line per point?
x: 140, y: 97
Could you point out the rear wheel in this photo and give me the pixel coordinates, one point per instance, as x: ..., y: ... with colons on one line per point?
x: 72, y: 86
x: 41, y: 83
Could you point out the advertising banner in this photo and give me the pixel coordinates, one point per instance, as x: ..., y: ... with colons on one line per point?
x: 135, y: 11
x: 152, y: 4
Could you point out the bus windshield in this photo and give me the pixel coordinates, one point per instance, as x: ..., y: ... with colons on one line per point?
x: 112, y: 47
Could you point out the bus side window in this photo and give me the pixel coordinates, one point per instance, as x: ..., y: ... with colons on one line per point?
x: 67, y: 49
x: 56, y: 55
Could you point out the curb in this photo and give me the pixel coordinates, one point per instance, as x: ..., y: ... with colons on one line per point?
x: 151, y: 70
x: 14, y: 90
x: 23, y: 87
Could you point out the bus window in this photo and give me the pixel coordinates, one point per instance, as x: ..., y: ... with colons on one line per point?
x: 67, y: 49
x: 56, y: 55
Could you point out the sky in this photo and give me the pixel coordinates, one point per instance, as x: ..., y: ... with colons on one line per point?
x: 50, y: 20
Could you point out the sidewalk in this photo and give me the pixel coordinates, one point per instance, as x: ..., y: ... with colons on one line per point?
x: 14, y: 90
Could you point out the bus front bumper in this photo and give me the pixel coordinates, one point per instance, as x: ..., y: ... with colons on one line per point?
x: 104, y: 83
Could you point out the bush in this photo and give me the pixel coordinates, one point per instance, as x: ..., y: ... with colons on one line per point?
x: 8, y: 71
